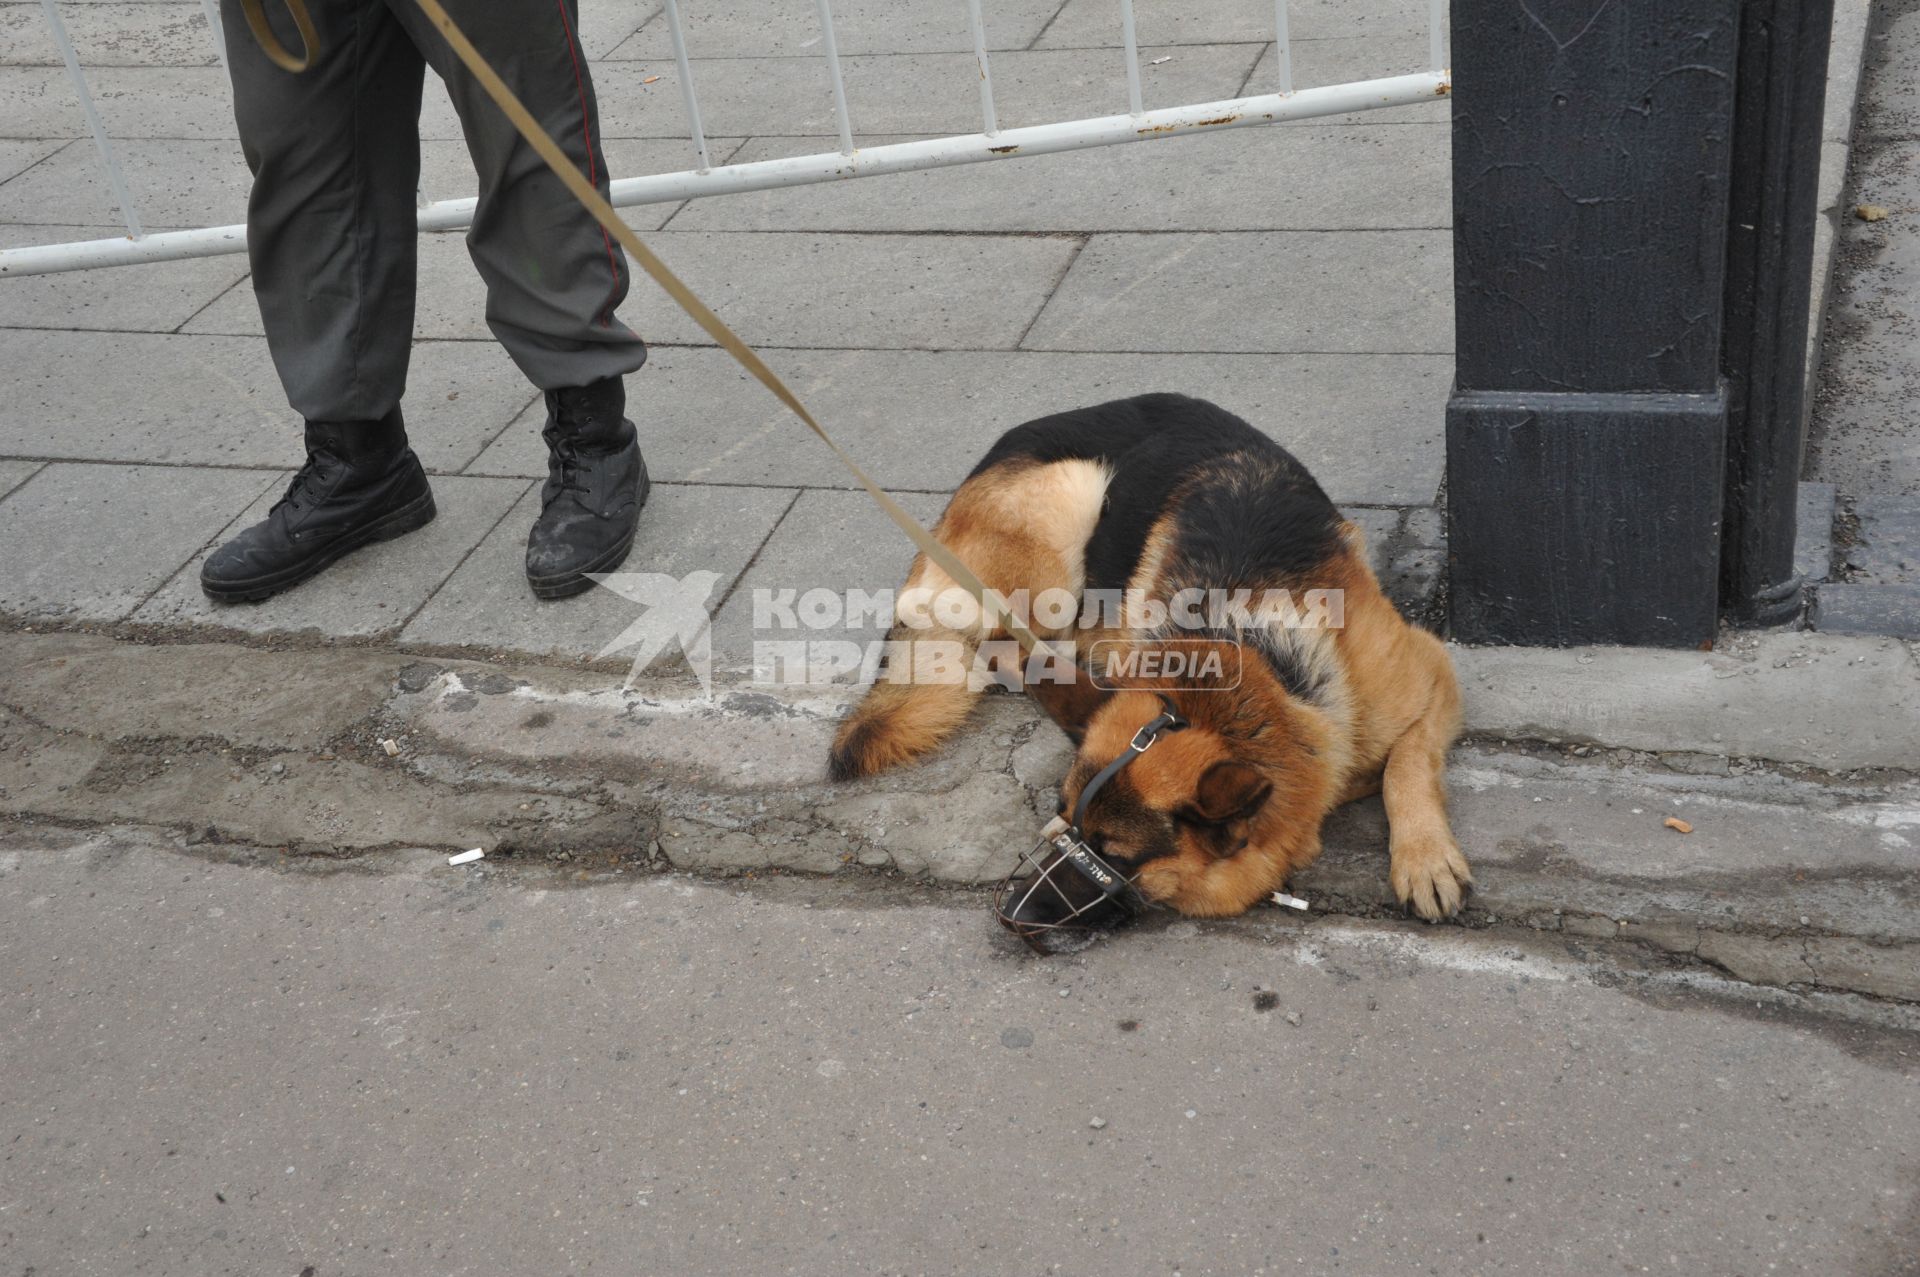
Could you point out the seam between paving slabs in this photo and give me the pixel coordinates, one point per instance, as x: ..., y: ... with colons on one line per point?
x: 467, y: 554
x: 30, y: 477
x: 1073, y: 258
x: 493, y: 438
x: 758, y: 550
x: 60, y: 149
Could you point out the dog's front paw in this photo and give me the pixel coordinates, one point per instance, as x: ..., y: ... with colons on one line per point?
x: 1430, y: 879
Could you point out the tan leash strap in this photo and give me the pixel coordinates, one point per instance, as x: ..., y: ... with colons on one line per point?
x: 950, y: 563
x: 270, y: 45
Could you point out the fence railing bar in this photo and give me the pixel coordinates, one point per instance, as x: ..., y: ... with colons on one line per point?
x: 760, y: 175
x: 212, y: 9
x: 679, y: 39
x: 1283, y: 44
x: 1437, y: 34
x: 990, y: 125
x: 109, y: 158
x: 831, y: 48
x: 1134, y: 101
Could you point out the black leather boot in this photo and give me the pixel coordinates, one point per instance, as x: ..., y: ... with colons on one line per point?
x: 361, y: 484
x: 596, y: 484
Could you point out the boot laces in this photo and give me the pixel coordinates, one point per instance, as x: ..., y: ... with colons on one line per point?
x: 313, y: 476
x: 566, y: 454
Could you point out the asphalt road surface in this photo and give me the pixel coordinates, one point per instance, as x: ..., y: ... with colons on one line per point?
x: 215, y: 1063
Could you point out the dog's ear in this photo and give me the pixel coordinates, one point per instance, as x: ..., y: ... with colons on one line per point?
x: 1229, y: 790
x: 1070, y: 704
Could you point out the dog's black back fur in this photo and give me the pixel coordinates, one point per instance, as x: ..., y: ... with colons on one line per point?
x: 1249, y: 511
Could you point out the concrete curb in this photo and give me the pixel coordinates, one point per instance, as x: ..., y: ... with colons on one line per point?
x: 1787, y: 879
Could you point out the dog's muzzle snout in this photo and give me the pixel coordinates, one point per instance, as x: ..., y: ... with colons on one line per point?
x: 1065, y: 885
x: 1062, y: 884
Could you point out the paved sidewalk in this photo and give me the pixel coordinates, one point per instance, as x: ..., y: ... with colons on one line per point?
x: 1297, y: 274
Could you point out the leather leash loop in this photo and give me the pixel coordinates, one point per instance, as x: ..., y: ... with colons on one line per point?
x: 270, y: 45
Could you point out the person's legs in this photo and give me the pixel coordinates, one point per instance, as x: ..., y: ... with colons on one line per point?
x: 331, y: 236
x: 331, y: 221
x: 554, y: 276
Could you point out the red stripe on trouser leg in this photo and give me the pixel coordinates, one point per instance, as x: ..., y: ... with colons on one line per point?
x: 586, y: 134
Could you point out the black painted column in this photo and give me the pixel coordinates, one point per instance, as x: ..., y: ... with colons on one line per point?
x: 1775, y: 193
x: 1586, y: 432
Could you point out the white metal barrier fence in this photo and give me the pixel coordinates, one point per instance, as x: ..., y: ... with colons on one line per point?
x: 1137, y: 124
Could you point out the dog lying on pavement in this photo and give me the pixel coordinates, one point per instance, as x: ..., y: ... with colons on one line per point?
x: 1259, y: 719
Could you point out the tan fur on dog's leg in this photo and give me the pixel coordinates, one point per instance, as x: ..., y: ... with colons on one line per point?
x: 1428, y: 873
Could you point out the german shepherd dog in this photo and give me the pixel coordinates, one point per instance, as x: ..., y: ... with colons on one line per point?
x: 1157, y: 495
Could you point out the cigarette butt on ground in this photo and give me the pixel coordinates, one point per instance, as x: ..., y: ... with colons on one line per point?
x: 1291, y: 902
x: 1870, y: 212
x: 466, y: 857
x: 1678, y: 825
x: 650, y: 79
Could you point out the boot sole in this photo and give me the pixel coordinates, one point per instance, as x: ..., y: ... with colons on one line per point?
x: 416, y: 514
x: 568, y: 584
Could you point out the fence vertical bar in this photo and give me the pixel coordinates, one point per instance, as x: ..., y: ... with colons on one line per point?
x: 1436, y: 34
x: 212, y: 9
x: 686, y: 85
x: 109, y: 159
x: 831, y: 48
x: 991, y: 125
x: 1283, y: 45
x: 1135, y: 103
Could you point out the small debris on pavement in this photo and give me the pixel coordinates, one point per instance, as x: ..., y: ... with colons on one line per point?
x: 1293, y: 1018
x: 466, y: 857
x: 1677, y: 825
x: 1265, y: 1000
x: 1098, y: 1123
x: 1870, y: 212
x: 1291, y: 902
x: 650, y: 79
x: 1164, y: 58
x: 391, y: 745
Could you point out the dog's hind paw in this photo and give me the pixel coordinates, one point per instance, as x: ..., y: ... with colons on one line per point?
x: 1431, y: 880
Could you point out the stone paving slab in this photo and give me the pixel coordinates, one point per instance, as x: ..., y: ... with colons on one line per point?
x: 143, y: 101
x: 922, y: 94
x: 90, y: 543
x: 1325, y: 177
x: 371, y: 592
x: 1368, y: 426
x: 486, y: 605
x: 1847, y: 608
x: 156, y: 297
x: 110, y: 34
x: 1096, y: 23
x: 15, y: 473
x: 1888, y: 548
x: 174, y: 32
x: 1278, y: 291
x: 754, y: 28
x: 216, y: 400
x: 870, y: 291
x: 205, y: 183
x: 864, y: 551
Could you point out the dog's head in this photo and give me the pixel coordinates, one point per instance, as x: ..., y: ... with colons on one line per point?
x: 1192, y: 822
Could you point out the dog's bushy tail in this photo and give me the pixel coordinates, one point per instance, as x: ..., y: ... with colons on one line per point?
x: 906, y: 714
